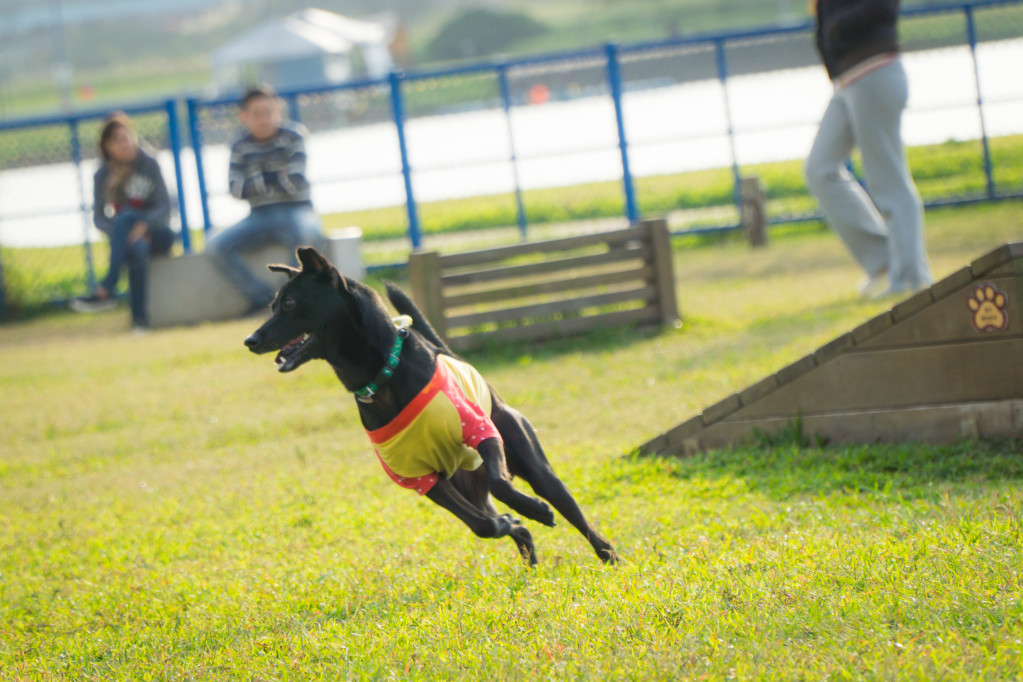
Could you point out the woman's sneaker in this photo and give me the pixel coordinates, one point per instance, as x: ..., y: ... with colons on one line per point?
x: 875, y: 286
x: 93, y: 304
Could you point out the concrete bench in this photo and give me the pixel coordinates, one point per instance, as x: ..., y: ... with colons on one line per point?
x: 190, y: 289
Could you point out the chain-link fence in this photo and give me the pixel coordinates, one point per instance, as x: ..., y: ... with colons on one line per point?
x: 50, y: 250
x: 554, y: 144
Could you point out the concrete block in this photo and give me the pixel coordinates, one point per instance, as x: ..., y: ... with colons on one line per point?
x: 344, y: 250
x: 190, y: 289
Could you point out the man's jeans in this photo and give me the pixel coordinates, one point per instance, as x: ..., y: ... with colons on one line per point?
x: 291, y: 225
x: 136, y: 257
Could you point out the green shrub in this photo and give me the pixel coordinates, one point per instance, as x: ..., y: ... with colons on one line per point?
x: 481, y: 32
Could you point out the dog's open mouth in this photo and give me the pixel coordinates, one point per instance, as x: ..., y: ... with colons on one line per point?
x: 292, y: 355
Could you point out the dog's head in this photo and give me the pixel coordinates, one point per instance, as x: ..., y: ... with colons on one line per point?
x: 318, y: 313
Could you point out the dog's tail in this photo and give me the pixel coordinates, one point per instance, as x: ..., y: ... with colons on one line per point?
x: 405, y: 306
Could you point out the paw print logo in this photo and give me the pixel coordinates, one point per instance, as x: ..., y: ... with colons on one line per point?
x: 987, y: 303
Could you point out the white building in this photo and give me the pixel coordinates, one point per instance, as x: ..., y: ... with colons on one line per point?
x: 306, y: 49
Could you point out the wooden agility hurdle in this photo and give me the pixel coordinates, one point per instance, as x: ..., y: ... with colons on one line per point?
x: 540, y: 290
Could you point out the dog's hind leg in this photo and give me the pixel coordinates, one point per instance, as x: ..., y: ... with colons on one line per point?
x: 499, y: 482
x: 526, y: 458
x: 484, y: 523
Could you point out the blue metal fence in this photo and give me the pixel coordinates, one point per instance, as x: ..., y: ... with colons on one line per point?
x: 46, y: 197
x: 617, y: 73
x: 504, y: 128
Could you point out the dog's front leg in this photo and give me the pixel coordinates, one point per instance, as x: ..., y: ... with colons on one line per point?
x: 446, y: 495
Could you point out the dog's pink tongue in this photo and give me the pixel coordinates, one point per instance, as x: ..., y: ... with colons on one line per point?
x: 282, y: 355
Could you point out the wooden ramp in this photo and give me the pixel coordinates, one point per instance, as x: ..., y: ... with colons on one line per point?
x: 944, y: 364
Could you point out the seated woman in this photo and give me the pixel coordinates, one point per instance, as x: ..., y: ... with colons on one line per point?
x: 132, y: 207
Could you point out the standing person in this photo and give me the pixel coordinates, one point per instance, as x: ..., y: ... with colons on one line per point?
x: 267, y: 170
x: 858, y: 43
x: 131, y: 207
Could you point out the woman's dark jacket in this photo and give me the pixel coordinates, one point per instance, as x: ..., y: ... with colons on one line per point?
x: 850, y: 31
x: 144, y: 192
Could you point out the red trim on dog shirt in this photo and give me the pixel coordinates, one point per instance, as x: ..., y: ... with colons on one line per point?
x: 421, y: 484
x: 476, y: 425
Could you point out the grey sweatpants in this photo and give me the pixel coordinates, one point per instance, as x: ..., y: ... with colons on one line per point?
x: 883, y: 230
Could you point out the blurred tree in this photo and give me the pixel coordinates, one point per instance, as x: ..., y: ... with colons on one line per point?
x: 481, y: 32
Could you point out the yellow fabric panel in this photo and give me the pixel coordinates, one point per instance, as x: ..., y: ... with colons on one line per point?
x: 473, y: 385
x: 432, y: 441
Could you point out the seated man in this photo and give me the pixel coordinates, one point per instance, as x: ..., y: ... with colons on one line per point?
x: 268, y: 171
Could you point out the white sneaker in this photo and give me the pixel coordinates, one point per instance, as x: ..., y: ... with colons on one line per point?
x: 875, y: 286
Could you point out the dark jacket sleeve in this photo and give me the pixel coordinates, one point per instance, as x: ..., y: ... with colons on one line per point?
x: 855, y: 16
x: 99, y: 201
x: 157, y: 214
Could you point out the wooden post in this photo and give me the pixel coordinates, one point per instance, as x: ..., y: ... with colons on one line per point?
x: 660, y: 244
x: 425, y: 278
x: 754, y: 212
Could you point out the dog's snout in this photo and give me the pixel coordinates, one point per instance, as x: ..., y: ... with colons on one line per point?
x: 253, y: 340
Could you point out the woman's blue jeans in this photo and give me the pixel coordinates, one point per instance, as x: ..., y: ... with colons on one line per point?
x: 136, y: 257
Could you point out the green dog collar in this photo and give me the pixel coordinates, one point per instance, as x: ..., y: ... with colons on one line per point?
x: 366, y: 393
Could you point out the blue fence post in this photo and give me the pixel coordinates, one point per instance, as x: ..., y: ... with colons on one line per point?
x: 398, y: 112
x: 971, y: 30
x: 76, y: 158
x: 520, y: 207
x: 722, y: 66
x: 195, y: 133
x: 614, y: 77
x: 174, y: 137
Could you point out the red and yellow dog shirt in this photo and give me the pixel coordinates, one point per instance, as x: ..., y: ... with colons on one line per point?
x: 438, y: 431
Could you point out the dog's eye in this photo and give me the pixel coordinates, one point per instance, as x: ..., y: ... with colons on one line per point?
x: 288, y: 304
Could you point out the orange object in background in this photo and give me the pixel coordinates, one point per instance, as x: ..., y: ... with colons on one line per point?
x: 539, y: 93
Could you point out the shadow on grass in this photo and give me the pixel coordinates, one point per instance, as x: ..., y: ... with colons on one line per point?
x: 906, y: 470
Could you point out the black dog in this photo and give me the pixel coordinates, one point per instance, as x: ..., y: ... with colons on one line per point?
x: 320, y: 314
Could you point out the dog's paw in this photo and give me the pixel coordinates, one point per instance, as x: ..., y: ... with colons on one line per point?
x: 524, y: 541
x: 545, y: 514
x: 608, y: 556
x: 505, y: 524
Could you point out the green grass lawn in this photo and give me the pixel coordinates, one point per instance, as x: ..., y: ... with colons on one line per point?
x: 171, y: 508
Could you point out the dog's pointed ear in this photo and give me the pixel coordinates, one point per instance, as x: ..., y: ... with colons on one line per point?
x: 342, y: 282
x: 313, y: 261
x: 285, y: 269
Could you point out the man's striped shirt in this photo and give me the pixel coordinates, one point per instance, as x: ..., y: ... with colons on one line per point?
x: 271, y: 171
